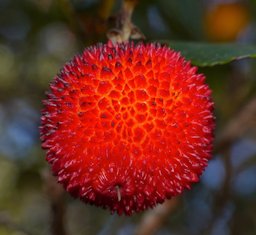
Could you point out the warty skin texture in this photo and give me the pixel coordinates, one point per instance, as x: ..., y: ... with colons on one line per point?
x: 127, y: 126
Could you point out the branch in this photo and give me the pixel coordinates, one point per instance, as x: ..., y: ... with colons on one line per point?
x: 55, y: 194
x: 154, y: 219
x: 237, y: 126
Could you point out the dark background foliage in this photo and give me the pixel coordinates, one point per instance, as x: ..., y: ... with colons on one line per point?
x: 38, y: 36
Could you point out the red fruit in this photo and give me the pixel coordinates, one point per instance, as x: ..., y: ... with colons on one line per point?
x: 127, y: 126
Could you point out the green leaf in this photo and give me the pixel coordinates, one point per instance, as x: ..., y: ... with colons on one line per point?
x: 210, y: 54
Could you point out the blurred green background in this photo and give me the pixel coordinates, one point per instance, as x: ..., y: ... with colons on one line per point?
x: 38, y: 36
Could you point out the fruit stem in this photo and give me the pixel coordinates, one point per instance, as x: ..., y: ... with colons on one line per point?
x: 125, y: 29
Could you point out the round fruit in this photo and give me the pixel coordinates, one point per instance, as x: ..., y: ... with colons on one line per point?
x: 127, y: 126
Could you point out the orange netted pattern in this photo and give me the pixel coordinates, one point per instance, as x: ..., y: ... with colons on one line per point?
x: 127, y: 126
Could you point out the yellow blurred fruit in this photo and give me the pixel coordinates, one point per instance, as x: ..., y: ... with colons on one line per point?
x: 226, y: 21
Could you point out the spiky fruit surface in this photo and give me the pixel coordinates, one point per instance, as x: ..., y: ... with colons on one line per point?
x: 127, y: 126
